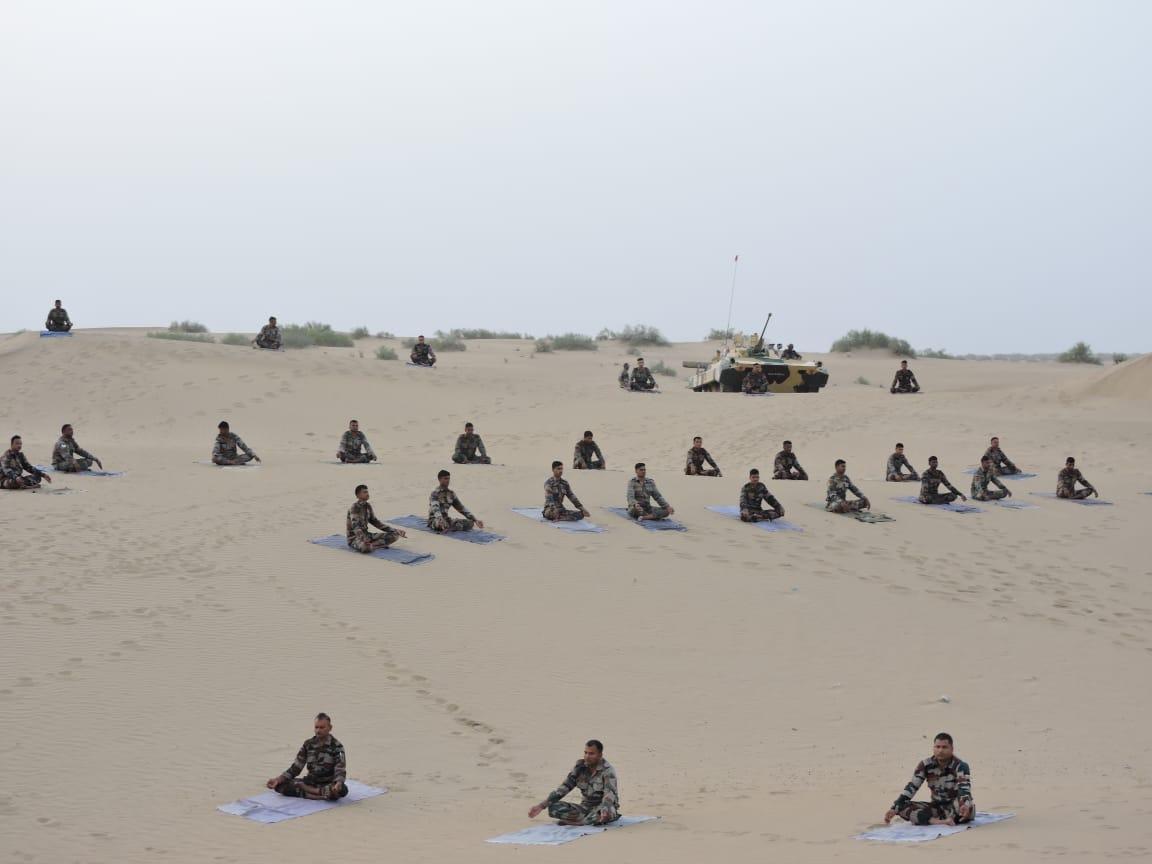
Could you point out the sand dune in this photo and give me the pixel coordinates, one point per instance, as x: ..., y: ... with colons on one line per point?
x: 169, y: 634
x: 1131, y: 380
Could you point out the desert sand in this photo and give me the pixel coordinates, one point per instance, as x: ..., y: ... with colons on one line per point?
x: 168, y: 635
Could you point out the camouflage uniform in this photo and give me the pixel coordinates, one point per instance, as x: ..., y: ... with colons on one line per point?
x: 785, y: 464
x: 755, y: 381
x: 1066, y: 484
x: 440, y: 503
x: 268, y: 337
x: 1001, y: 464
x: 980, y: 483
x: 622, y: 378
x: 422, y: 355
x: 951, y: 787
x: 327, y: 770
x: 13, y: 466
x: 905, y: 382
x: 351, y: 445
x: 837, y: 494
x: 697, y: 456
x: 896, y: 463
x: 467, y: 445
x: 360, y: 516
x: 224, y: 451
x: 600, y: 801
x: 642, y: 379
x: 930, y: 482
x: 640, y: 496
x: 58, y: 321
x: 582, y: 456
x: 556, y: 489
x: 64, y: 456
x: 751, y: 507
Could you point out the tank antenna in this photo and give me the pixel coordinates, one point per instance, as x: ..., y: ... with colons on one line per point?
x: 731, y: 297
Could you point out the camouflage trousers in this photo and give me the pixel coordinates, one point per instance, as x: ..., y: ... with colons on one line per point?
x: 638, y: 510
x: 267, y: 343
x: 698, y: 469
x: 580, y: 462
x: 415, y: 362
x: 1076, y: 494
x: 1007, y: 468
x: 790, y: 474
x: 937, y: 497
x: 905, y: 388
x: 26, y: 482
x: 447, y: 523
x: 568, y: 812
x: 765, y: 515
x: 58, y: 328
x: 899, y: 476
x: 462, y: 458
x: 991, y: 495
x: 560, y: 514
x: 843, y: 505
x: 238, y: 459
x: 921, y: 812
x: 370, y: 542
x: 74, y: 465
x: 327, y: 790
x: 353, y: 458
x: 642, y: 385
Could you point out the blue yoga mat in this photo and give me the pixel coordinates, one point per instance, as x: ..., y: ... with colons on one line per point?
x: 1087, y: 502
x: 95, y: 472
x: 473, y: 536
x: 400, y: 556
x: 418, y: 366
x: 52, y: 334
x: 1013, y: 504
x: 774, y: 525
x: 581, y: 527
x: 649, y: 524
x: 954, y: 507
x: 1023, y: 475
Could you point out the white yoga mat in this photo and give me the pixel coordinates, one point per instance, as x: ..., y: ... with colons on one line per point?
x: 269, y: 807
x: 212, y: 464
x: 557, y: 835
x: 908, y: 833
x: 583, y: 526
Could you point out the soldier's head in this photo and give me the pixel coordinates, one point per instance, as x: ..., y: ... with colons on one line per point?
x: 789, y: 344
x: 66, y: 430
x: 443, y: 478
x: 468, y: 427
x: 985, y: 462
x: 361, y: 492
x: 272, y: 320
x: 903, y: 364
x: 353, y: 425
x: 557, y: 468
x: 420, y: 339
x: 587, y: 434
x: 639, y: 362
x: 787, y: 446
x: 322, y: 725
x: 933, y: 461
x: 16, y: 442
x: 942, y: 747
x: 57, y: 304
x: 223, y: 427
x: 593, y: 753
x: 995, y: 442
x: 899, y: 447
x: 697, y: 441
x: 641, y: 470
x: 754, y: 475
x: 841, y: 467
x: 1070, y: 462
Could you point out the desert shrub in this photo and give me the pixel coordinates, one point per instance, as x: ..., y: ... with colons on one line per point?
x: 862, y: 380
x: 606, y: 335
x: 543, y: 346
x: 442, y: 342
x: 935, y: 354
x: 572, y: 342
x: 385, y: 352
x: 658, y: 368
x: 465, y: 333
x: 313, y: 333
x: 642, y: 334
x: 360, y: 333
x: 385, y: 334
x: 180, y: 336
x: 717, y: 335
x: 854, y: 339
x: 1119, y: 358
x: 1081, y: 352
x: 235, y: 339
x: 187, y: 327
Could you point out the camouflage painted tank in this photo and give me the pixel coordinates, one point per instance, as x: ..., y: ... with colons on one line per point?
x: 727, y: 370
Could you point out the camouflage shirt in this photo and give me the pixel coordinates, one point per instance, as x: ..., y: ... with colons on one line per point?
x: 904, y: 380
x: 360, y: 516
x: 66, y: 451
x: 1067, y: 478
x: 422, y: 353
x: 896, y: 461
x: 352, y: 442
x: 57, y: 316
x: 930, y: 482
x: 786, y: 461
x: 643, y: 375
x: 755, y: 380
x: 599, y: 788
x: 14, y: 464
x: 226, y: 446
x: 951, y: 782
x: 441, y: 501
x: 838, y: 489
x: 468, y: 444
x: 751, y: 494
x: 698, y: 456
x: 997, y: 456
x: 640, y: 491
x: 269, y: 335
x: 323, y: 759
x: 586, y: 450
x: 556, y: 489
x: 981, y: 480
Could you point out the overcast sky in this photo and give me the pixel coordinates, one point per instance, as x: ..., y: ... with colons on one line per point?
x: 968, y: 175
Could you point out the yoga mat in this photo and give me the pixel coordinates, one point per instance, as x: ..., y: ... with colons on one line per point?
x: 52, y: 334
x: 1087, y: 502
x: 270, y: 807
x: 1023, y: 475
x: 774, y: 525
x: 212, y: 464
x: 557, y: 835
x: 359, y: 464
x: 400, y: 556
x: 954, y: 507
x: 866, y: 516
x: 645, y: 392
x: 757, y: 394
x: 416, y: 523
x: 417, y: 365
x: 1013, y: 504
x: 906, y: 833
x: 648, y: 524
x: 581, y: 527
x: 94, y: 472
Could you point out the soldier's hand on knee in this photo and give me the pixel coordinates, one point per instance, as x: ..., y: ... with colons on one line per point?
x: 274, y: 782
x: 585, y: 513
x: 889, y: 816
x: 535, y: 811
x: 401, y: 532
x: 480, y: 524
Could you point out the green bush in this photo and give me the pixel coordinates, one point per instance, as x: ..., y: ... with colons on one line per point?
x: 543, y: 346
x: 180, y: 336
x: 187, y: 327
x: 385, y: 352
x: 385, y: 334
x: 572, y: 342
x: 717, y: 335
x: 442, y: 342
x: 642, y: 334
x: 660, y: 369
x: 235, y: 339
x: 1117, y: 359
x: 463, y: 333
x: 360, y: 333
x: 1081, y: 352
x: 314, y: 333
x: 933, y: 354
x: 873, y: 339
